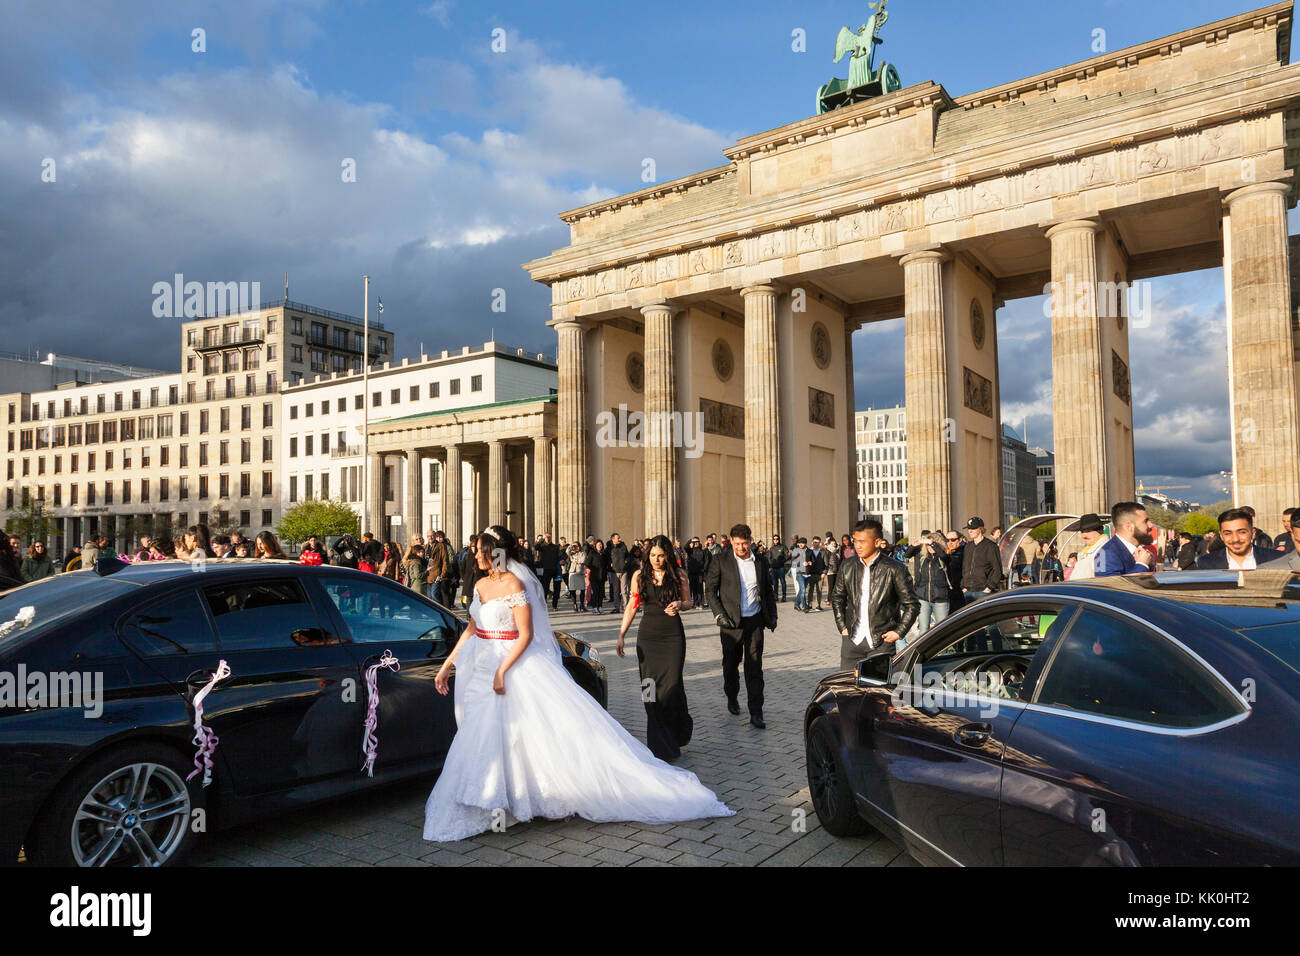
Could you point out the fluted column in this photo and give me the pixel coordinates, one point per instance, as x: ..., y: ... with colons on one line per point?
x: 496, y: 477
x: 542, y: 486
x: 1078, y: 373
x: 929, y: 419
x: 763, y: 503
x: 851, y: 424
x: 412, y: 518
x: 661, y: 490
x: 1261, y: 372
x: 453, y: 521
x: 375, y: 498
x: 572, y: 431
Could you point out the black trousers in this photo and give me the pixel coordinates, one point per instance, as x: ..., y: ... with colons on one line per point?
x: 745, y: 642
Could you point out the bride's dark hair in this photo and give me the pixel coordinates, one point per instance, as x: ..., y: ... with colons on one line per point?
x: 499, y: 537
x: 671, y: 588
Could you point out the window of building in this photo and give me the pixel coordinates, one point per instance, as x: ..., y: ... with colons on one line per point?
x: 476, y: 383
x: 454, y: 387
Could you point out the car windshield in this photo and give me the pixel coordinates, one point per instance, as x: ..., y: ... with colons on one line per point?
x: 33, y: 609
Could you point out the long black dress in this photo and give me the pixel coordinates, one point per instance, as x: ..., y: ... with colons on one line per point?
x: 661, y: 654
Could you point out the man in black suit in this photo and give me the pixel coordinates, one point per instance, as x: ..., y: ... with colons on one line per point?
x: 739, y: 588
x: 873, y: 601
x: 1239, y: 551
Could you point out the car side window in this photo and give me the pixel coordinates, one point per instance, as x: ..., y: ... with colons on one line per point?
x: 378, y: 613
x: 994, y: 656
x: 265, y: 614
x: 1115, y: 668
x: 176, y: 624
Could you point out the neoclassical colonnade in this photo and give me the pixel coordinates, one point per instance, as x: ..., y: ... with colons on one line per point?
x: 506, y: 452
x: 735, y: 292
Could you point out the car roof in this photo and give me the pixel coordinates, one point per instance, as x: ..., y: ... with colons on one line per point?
x: 1234, y: 598
x: 148, y: 573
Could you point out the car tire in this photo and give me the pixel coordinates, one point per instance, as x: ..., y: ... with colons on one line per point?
x: 98, y: 807
x: 828, y: 784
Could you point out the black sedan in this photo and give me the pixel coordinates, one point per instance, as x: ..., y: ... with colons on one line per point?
x: 100, y: 671
x: 1145, y: 720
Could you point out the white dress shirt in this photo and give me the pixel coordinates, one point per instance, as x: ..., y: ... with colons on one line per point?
x: 748, y: 586
x: 863, y: 631
x: 1245, y: 564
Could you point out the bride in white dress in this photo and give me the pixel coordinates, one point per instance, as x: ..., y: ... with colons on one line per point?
x: 529, y: 741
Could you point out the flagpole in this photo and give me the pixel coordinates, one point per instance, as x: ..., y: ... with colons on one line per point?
x: 365, y: 407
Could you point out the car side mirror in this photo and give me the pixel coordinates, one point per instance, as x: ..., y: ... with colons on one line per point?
x: 873, y: 671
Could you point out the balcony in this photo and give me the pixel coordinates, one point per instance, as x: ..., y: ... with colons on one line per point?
x: 351, y: 451
x: 238, y: 340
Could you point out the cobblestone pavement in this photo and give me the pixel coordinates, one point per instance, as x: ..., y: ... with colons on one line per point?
x: 758, y: 773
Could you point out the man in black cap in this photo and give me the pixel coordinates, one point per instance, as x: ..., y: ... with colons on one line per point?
x: 981, y: 571
x: 1090, y: 530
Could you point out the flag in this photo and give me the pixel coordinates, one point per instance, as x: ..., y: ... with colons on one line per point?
x: 381, y: 306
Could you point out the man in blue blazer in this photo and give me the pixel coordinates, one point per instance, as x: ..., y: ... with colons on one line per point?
x: 1125, y: 552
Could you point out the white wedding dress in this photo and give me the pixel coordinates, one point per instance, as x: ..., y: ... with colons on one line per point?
x: 545, y: 748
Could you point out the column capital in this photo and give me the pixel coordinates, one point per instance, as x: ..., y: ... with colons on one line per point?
x: 1256, y: 189
x: 670, y: 306
x: 760, y: 288
x: 935, y: 254
x: 570, y: 322
x: 1074, y: 225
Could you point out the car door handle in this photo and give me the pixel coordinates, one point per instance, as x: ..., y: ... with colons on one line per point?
x: 973, y: 735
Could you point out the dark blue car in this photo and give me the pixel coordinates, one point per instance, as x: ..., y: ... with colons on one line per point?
x: 1146, y: 720
x: 100, y: 671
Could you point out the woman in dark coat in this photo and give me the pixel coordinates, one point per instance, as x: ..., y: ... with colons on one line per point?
x: 661, y: 589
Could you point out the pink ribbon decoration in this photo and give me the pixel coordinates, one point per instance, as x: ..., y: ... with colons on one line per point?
x: 205, y: 739
x: 370, y: 743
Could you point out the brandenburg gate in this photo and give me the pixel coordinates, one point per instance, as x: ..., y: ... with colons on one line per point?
x: 734, y: 292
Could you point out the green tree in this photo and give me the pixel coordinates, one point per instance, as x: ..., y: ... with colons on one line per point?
x: 30, y: 522
x: 317, y: 516
x: 1197, y: 523
x: 1164, y: 518
x: 1044, y: 532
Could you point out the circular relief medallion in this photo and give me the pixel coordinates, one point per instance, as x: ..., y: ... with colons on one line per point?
x: 821, y: 345
x: 635, y: 369
x: 724, y: 362
x: 977, y: 323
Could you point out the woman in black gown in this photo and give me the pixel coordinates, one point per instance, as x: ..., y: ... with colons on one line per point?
x: 661, y: 589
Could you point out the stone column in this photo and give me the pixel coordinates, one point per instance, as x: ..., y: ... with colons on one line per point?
x: 1078, y: 374
x: 929, y: 419
x: 1261, y: 372
x: 763, y: 501
x: 375, y: 521
x: 851, y: 425
x: 453, y: 520
x: 572, y: 434
x: 542, y: 487
x: 661, y: 490
x: 496, y: 480
x: 413, y: 504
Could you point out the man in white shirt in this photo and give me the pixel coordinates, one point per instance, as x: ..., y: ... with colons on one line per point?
x: 739, y: 589
x: 1239, y: 551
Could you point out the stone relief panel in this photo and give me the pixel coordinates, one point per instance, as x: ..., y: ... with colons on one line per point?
x: 700, y: 261
x: 722, y: 419
x: 1093, y: 171
x: 634, y: 275
x: 985, y: 197
x: 821, y: 407
x: 977, y: 392
x: 939, y: 207
x: 977, y: 328
x: 896, y: 219
x: 810, y: 237
x: 1119, y: 378
x: 771, y: 244
x: 1153, y: 158
x: 1216, y: 143
x: 577, y: 288
x: 733, y: 254
x: 606, y: 282
x: 666, y: 268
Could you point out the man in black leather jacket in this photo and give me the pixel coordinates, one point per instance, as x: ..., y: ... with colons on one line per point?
x: 891, y: 604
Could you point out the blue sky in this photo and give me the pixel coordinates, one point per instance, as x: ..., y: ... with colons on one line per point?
x: 225, y: 164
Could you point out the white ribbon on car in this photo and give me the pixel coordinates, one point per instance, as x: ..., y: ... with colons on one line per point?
x: 205, y: 738
x: 25, y: 616
x: 369, y: 742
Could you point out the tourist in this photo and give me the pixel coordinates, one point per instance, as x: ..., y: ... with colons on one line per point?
x: 873, y: 602
x: 243, y: 550
x: 1126, y: 551
x: 548, y: 562
x: 437, y: 567
x: 11, y: 574
x: 345, y: 553
x: 1090, y: 530
x: 90, y: 551
x: 597, y: 571
x: 1287, y: 557
x: 198, y: 543
x: 72, y: 560
x: 981, y: 571
x: 929, y: 570
x: 740, y: 594
x: 816, y: 567
x: 467, y: 564
x: 695, y: 570
x: 390, y: 561
x: 1186, y: 559
x: 1262, y: 540
x: 620, y: 578
x: 313, y: 544
x: 37, y: 564
x: 372, y: 552
x: 1239, y: 552
x: 1286, y: 540
x: 1069, y: 564
x: 414, y: 567
x: 832, y: 559
x: 266, y: 545
x: 799, y: 565
x: 578, y: 577
x: 660, y: 589
x: 956, y: 555
x: 221, y: 546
